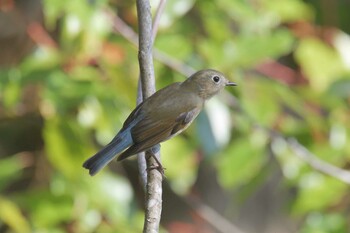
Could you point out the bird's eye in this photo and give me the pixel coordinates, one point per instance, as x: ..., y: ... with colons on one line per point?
x: 216, y: 79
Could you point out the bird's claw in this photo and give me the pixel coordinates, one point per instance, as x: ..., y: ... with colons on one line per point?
x: 159, y: 168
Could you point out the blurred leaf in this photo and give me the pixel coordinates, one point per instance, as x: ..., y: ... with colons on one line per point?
x: 264, y: 108
x: 47, y: 210
x: 316, y: 192
x: 11, y: 215
x: 51, y: 212
x: 330, y: 223
x: 254, y: 49
x: 39, y: 66
x: 116, y: 191
x: 340, y: 88
x: 12, y: 91
x: 174, y: 44
x: 65, y: 146
x: 319, y: 62
x: 214, y: 24
x: 290, y: 10
x: 240, y: 11
x: 180, y: 162
x: 10, y: 170
x: 242, y: 160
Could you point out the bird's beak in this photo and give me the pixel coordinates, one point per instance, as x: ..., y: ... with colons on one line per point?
x: 231, y: 84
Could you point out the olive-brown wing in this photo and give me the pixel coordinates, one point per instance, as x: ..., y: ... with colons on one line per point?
x: 148, y: 133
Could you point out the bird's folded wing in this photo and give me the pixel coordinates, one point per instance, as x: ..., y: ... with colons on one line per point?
x: 148, y: 133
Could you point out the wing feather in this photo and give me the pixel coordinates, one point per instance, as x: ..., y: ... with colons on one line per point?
x: 148, y: 133
x: 152, y: 138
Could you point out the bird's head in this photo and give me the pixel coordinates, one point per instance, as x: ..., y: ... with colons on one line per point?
x: 208, y: 82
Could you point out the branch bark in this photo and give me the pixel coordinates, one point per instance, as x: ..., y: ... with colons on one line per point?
x: 154, y: 178
x: 141, y: 156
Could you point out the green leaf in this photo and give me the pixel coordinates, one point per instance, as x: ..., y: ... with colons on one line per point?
x: 65, y: 146
x: 260, y: 101
x: 321, y: 63
x: 325, y: 223
x: 242, y: 160
x: 12, y: 91
x: 252, y: 49
x: 11, y: 215
x: 10, y: 170
x: 290, y: 10
x: 317, y: 192
x: 340, y: 88
x: 174, y: 44
x: 180, y: 162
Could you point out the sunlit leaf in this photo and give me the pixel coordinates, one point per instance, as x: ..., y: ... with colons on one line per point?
x: 253, y: 49
x: 264, y: 108
x: 12, y: 216
x: 12, y: 90
x: 10, y: 170
x: 328, y: 191
x: 319, y: 62
x: 241, y: 161
x: 65, y: 147
x: 320, y: 222
x: 180, y: 162
x: 290, y: 10
x: 174, y: 44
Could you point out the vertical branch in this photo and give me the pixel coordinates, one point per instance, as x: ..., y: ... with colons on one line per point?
x: 154, y: 178
x: 141, y: 161
x: 145, y: 48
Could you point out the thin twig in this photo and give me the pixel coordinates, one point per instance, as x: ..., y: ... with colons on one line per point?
x: 156, y: 20
x: 173, y: 63
x: 317, y: 163
x: 120, y: 26
x: 307, y: 156
x: 154, y: 178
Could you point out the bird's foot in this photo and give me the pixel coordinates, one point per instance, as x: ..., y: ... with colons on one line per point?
x: 159, y: 165
x: 159, y: 168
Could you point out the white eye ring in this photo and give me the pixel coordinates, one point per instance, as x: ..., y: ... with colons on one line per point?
x: 216, y: 79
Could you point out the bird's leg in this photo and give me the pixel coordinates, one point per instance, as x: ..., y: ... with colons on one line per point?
x: 153, y: 151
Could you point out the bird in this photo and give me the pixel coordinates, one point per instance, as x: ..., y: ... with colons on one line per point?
x: 163, y: 115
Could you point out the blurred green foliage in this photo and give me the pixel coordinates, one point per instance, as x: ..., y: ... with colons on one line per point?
x: 81, y: 80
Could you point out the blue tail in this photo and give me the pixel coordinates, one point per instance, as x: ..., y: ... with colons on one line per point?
x: 119, y: 143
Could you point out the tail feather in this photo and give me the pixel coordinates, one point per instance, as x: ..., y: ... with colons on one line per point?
x: 104, y: 156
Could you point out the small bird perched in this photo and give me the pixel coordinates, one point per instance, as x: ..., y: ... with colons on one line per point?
x: 162, y: 116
